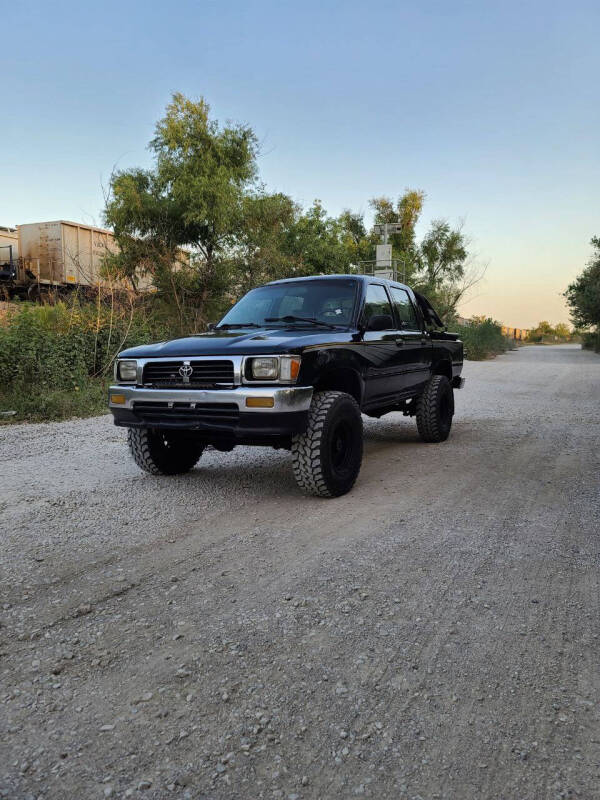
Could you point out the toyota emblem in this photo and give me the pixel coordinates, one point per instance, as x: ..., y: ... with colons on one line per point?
x: 185, y: 370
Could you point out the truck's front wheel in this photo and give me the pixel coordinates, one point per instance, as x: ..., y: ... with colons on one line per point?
x: 327, y: 457
x: 163, y: 452
x: 435, y: 409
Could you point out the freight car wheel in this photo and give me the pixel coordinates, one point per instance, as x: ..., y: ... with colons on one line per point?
x: 163, y: 452
x: 34, y: 293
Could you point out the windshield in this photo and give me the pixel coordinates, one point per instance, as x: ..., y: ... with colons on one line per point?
x: 326, y: 302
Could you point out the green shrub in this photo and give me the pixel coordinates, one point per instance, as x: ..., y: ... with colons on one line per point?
x: 591, y: 341
x: 483, y: 338
x: 55, y: 361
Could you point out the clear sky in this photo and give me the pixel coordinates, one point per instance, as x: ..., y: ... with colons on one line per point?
x: 492, y: 108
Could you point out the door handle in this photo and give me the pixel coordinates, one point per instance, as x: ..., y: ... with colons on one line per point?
x: 399, y: 341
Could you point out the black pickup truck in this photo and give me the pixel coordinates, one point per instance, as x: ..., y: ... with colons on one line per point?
x: 292, y: 364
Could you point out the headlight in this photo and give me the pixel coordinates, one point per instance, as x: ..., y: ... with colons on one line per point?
x: 283, y: 369
x: 127, y: 371
x: 265, y: 369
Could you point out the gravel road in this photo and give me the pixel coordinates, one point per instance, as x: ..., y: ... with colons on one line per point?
x: 434, y: 634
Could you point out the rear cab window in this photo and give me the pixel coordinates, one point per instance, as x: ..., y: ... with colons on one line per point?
x: 407, y: 316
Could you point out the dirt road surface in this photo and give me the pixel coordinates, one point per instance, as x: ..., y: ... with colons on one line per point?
x: 432, y: 635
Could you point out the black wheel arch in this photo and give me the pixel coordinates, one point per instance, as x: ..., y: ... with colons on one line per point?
x: 443, y: 367
x: 342, y: 379
x: 336, y: 369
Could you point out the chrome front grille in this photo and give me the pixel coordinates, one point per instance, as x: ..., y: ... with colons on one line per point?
x: 188, y: 373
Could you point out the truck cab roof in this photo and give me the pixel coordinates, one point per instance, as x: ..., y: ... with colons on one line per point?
x: 338, y: 276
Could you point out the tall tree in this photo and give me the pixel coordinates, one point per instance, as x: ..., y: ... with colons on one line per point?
x: 259, y: 255
x: 443, y: 253
x: 194, y: 197
x: 315, y: 241
x: 583, y: 295
x: 358, y: 243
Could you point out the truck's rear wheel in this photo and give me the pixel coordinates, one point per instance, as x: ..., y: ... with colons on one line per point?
x: 327, y: 457
x: 163, y: 452
x: 435, y: 409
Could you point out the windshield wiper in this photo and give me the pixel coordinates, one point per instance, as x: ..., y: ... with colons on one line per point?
x: 292, y: 318
x: 237, y: 325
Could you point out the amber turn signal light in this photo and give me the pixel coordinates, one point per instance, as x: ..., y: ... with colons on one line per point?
x: 117, y: 399
x: 260, y: 402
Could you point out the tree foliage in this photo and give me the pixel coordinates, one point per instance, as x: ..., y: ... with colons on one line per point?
x: 583, y: 295
x: 192, y: 201
x: 545, y: 331
x: 205, y: 230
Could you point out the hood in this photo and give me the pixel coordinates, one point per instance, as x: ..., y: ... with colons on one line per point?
x: 237, y: 342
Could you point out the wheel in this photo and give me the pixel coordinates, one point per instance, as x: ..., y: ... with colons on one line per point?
x: 435, y: 409
x: 163, y: 452
x: 327, y: 457
x: 34, y: 293
x: 48, y: 297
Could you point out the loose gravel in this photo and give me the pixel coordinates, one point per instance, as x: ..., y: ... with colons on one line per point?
x: 434, y: 634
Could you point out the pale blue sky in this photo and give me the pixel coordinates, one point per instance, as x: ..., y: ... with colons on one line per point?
x: 492, y: 108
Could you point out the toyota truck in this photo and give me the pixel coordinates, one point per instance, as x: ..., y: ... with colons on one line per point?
x: 294, y: 364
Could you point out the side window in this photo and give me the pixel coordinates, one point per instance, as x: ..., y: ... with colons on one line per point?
x: 405, y: 309
x: 376, y: 302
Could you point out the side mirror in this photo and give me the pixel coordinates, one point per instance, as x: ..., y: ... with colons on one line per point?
x: 380, y: 322
x: 211, y: 326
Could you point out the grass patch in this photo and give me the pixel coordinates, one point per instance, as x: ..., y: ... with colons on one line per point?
x: 35, y: 404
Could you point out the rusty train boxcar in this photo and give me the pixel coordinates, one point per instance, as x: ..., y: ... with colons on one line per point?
x: 64, y: 253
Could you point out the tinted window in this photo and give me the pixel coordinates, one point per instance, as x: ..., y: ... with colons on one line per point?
x: 377, y: 302
x: 404, y: 308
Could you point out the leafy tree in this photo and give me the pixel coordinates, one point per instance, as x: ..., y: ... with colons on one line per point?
x: 317, y: 243
x: 443, y: 253
x: 205, y: 230
x: 358, y: 243
x: 562, y: 331
x: 545, y: 329
x: 194, y: 197
x: 259, y: 256
x: 583, y: 295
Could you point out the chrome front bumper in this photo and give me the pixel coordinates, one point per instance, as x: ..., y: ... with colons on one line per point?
x: 285, y: 398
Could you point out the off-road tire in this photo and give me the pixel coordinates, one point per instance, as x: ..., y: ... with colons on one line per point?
x: 327, y: 457
x: 163, y: 452
x: 435, y: 409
